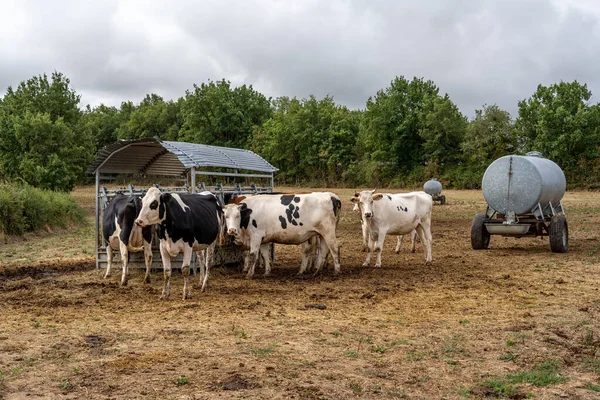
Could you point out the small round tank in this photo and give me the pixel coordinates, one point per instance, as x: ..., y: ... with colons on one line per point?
x: 518, y: 183
x: 432, y: 187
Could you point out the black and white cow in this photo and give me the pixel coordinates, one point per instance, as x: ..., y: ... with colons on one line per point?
x: 186, y: 223
x: 395, y: 214
x: 121, y: 233
x: 286, y: 219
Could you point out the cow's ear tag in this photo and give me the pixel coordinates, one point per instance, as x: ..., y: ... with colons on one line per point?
x: 377, y: 196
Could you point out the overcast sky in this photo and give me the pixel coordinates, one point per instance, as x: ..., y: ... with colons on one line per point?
x: 478, y: 51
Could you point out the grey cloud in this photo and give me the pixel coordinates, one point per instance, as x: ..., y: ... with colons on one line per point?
x: 477, y: 51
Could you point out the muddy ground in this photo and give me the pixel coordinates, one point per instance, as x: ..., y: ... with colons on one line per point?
x: 513, y: 321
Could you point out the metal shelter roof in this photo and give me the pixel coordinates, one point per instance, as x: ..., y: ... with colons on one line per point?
x: 157, y: 157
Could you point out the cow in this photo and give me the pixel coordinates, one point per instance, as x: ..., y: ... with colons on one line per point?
x: 365, y: 232
x: 396, y: 214
x: 121, y: 233
x: 185, y: 223
x: 286, y: 219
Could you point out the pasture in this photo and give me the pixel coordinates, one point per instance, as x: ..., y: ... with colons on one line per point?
x: 514, y: 321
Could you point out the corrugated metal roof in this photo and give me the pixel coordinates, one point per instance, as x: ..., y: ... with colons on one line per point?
x: 157, y: 157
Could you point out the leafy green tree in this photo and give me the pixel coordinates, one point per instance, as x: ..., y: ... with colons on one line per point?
x: 215, y: 113
x: 153, y: 117
x: 490, y: 135
x: 102, y: 123
x: 443, y: 129
x: 42, y: 139
x: 559, y: 121
x: 309, y: 140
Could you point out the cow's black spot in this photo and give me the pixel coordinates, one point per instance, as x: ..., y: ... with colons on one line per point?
x: 297, y: 199
x: 254, y: 223
x: 294, y: 222
x: 296, y: 215
x: 286, y: 199
x: 245, y: 216
x: 398, y: 207
x: 291, y: 207
x: 161, y: 210
x: 389, y: 197
x: 301, y: 224
x: 337, y: 204
x: 288, y: 212
x: 283, y: 222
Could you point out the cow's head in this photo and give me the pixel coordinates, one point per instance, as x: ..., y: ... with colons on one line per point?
x: 364, y: 202
x: 154, y: 205
x: 236, y: 217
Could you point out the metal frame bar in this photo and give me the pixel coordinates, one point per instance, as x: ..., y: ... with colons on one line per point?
x: 233, y: 174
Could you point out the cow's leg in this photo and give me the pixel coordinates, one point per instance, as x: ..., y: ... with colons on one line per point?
x: 246, y: 261
x: 308, y: 253
x: 379, y: 247
x: 365, y: 235
x: 109, y: 258
x: 424, y: 231
x: 264, y: 256
x: 201, y: 265
x: 253, y: 255
x: 329, y: 242
x: 209, y: 256
x: 413, y: 241
x: 372, y: 240
x: 125, y: 261
x: 166, y: 262
x: 147, y: 260
x: 399, y: 245
x: 185, y: 270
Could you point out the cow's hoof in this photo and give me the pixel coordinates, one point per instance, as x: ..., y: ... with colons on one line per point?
x: 147, y: 279
x: 248, y: 277
x: 267, y: 273
x: 365, y: 264
x: 413, y: 251
x: 397, y: 251
x: 187, y: 297
x: 123, y: 283
x: 427, y: 262
x: 377, y: 265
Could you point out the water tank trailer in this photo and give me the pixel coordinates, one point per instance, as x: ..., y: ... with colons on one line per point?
x: 524, y: 198
x: 433, y: 187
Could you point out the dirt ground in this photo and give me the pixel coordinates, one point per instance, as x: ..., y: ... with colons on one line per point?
x: 514, y: 321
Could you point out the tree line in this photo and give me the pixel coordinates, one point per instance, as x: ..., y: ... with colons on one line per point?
x: 407, y: 132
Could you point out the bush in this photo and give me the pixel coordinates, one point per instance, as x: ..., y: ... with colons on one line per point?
x: 24, y: 209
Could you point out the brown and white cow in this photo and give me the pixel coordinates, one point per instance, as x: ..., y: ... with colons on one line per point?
x: 286, y: 219
x: 395, y: 214
x: 365, y: 232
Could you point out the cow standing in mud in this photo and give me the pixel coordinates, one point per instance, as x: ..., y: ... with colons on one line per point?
x: 395, y: 214
x: 286, y: 219
x: 121, y: 233
x: 185, y: 223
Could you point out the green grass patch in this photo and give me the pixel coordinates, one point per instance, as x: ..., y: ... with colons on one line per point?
x: 593, y: 387
x: 501, y: 388
x: 264, y: 351
x: 540, y: 375
x: 24, y: 208
x: 351, y: 354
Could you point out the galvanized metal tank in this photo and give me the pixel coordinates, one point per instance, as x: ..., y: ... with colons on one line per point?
x: 432, y: 187
x: 519, y: 183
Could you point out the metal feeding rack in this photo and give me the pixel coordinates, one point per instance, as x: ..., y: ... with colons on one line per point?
x: 180, y: 164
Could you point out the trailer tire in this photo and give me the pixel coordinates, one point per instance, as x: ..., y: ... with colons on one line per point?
x: 559, y: 234
x: 480, y: 237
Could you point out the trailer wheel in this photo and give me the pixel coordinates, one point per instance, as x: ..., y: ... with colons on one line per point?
x: 559, y: 234
x: 443, y: 200
x: 480, y: 237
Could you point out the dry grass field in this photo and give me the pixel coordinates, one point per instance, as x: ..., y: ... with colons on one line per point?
x: 514, y: 321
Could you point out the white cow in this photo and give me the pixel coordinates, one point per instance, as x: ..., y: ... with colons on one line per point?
x: 396, y: 214
x: 286, y: 219
x: 365, y: 232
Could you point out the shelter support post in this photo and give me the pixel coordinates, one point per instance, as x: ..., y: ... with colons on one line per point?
x: 193, y: 179
x: 272, y: 182
x: 97, y: 194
